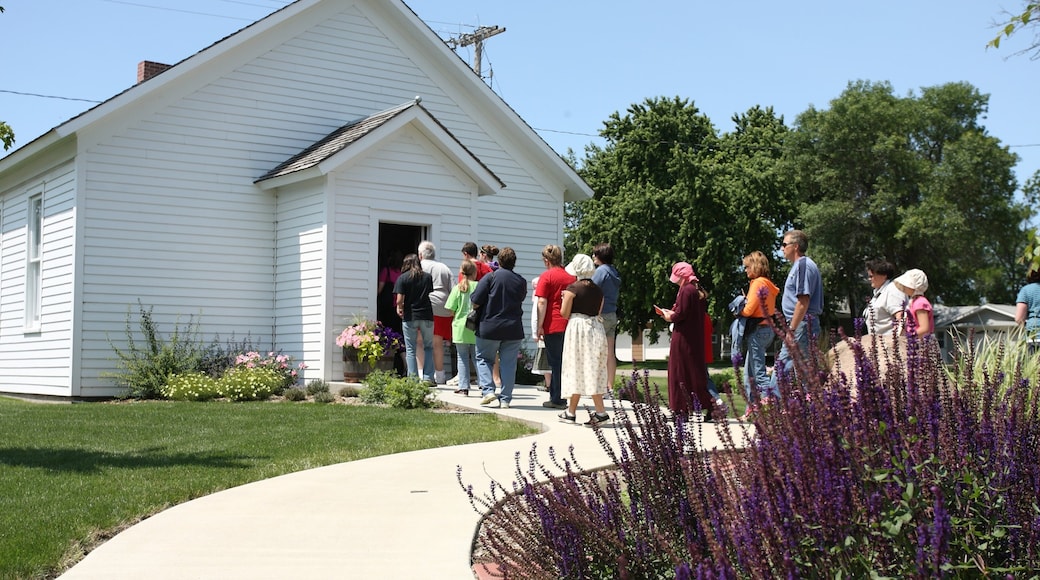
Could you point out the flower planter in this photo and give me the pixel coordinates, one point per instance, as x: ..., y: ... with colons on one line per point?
x: 355, y: 371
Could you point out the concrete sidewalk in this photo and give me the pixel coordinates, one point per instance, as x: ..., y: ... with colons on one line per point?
x: 394, y: 516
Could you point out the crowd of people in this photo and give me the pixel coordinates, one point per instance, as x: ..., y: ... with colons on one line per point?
x: 897, y: 306
x: 573, y: 321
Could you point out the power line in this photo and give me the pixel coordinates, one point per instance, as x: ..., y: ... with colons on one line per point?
x: 48, y: 96
x: 273, y: 3
x: 193, y: 12
x: 539, y: 129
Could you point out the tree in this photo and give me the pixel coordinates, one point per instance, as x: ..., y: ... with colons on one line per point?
x: 914, y: 180
x: 1031, y: 254
x: 1028, y: 18
x: 756, y: 198
x: 668, y: 188
x: 639, y: 204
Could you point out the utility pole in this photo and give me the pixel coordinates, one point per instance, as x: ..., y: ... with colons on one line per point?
x: 476, y: 38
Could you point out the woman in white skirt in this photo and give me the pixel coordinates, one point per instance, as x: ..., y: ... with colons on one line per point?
x: 584, y: 343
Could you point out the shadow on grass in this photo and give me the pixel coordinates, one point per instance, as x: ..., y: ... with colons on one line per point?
x: 87, y: 461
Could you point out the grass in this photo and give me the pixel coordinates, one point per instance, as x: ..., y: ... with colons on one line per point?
x: 720, y: 372
x: 70, y: 473
x: 662, y: 365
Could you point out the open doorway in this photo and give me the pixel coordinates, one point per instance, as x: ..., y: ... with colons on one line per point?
x: 395, y: 242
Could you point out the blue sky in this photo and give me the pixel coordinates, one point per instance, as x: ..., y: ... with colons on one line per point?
x: 566, y: 65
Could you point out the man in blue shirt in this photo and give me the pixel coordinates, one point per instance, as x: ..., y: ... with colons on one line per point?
x: 1027, y: 307
x: 802, y: 302
x: 609, y: 281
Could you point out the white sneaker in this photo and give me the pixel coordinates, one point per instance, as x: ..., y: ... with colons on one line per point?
x: 453, y: 381
x: 488, y: 399
x: 438, y: 377
x: 503, y: 404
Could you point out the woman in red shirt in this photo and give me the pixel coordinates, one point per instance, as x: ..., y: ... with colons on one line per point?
x: 551, y: 326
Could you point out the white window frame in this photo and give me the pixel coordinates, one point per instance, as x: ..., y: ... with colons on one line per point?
x: 34, y: 262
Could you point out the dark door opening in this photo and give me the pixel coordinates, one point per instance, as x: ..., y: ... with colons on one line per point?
x: 395, y: 242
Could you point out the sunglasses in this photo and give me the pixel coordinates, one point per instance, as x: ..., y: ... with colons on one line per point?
x: 785, y: 244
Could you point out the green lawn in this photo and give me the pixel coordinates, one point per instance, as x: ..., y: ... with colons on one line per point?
x: 720, y: 372
x: 662, y: 365
x: 68, y: 472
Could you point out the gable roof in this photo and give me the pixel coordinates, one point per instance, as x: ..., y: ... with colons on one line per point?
x: 984, y: 315
x: 573, y: 187
x: 331, y: 151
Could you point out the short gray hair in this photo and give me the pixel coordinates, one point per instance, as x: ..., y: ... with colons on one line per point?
x: 427, y: 251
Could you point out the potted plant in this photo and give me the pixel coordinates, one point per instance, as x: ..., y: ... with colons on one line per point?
x: 368, y: 345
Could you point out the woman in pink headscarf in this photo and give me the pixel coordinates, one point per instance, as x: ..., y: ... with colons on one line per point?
x: 687, y: 370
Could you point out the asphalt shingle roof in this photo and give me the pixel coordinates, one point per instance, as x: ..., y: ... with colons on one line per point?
x: 335, y: 142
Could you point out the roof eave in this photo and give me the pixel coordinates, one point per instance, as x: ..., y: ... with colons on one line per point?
x: 290, y: 178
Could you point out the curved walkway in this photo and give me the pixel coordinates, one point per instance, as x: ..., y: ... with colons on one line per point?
x: 393, y: 516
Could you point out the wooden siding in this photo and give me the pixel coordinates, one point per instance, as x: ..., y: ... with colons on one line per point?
x: 177, y: 234
x: 170, y: 216
x: 38, y: 362
x: 300, y: 276
x: 433, y: 193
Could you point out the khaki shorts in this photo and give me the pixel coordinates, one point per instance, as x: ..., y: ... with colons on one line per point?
x: 609, y: 323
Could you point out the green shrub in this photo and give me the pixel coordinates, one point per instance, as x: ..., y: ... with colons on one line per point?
x: 145, y: 369
x: 219, y: 357
x: 1004, y: 358
x: 250, y: 384
x: 282, y: 364
x: 193, y: 386
x: 349, y: 391
x: 294, y: 394
x: 317, y: 386
x: 409, y: 393
x: 724, y: 380
x: 375, y: 383
x: 324, y: 397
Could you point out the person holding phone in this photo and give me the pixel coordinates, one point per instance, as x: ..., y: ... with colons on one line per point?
x: 687, y: 369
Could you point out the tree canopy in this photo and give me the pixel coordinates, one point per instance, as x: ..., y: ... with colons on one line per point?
x: 668, y: 189
x: 914, y: 179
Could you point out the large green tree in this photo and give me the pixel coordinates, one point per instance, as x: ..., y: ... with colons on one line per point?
x: 669, y: 188
x: 913, y: 179
x: 755, y: 196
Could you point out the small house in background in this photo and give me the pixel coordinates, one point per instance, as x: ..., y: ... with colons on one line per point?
x: 642, y: 349
x: 255, y: 186
x: 955, y: 324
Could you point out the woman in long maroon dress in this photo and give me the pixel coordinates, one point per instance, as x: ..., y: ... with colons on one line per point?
x: 687, y: 370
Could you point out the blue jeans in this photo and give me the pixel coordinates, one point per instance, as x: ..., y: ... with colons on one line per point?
x: 712, y: 390
x: 554, y: 353
x: 465, y: 353
x: 412, y: 328
x: 809, y: 327
x: 507, y: 351
x: 755, y: 378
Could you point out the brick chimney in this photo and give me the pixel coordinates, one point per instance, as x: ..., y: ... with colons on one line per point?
x: 147, y: 69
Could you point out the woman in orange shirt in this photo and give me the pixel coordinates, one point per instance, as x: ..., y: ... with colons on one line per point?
x: 761, y: 304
